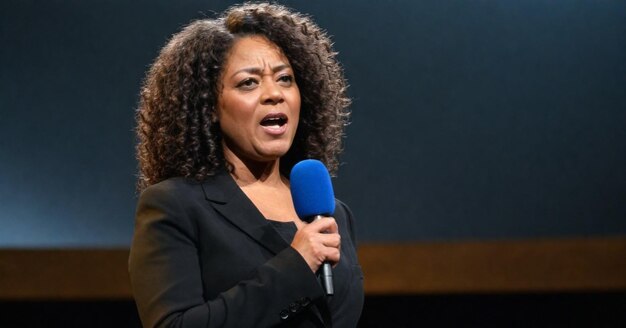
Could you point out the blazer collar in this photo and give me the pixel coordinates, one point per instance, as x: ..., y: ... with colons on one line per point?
x: 236, y: 207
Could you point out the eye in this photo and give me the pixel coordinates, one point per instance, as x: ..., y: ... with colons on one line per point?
x: 286, y: 80
x: 248, y: 84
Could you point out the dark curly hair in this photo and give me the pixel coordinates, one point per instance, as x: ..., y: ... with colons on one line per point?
x: 176, y: 126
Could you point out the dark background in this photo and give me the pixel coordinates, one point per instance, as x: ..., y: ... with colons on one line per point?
x: 471, y: 119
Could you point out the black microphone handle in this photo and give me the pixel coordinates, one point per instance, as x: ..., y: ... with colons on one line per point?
x: 327, y: 273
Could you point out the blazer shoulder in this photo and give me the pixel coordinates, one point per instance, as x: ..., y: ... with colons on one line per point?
x: 343, y: 213
x: 176, y: 184
x: 174, y: 198
x: 179, y: 190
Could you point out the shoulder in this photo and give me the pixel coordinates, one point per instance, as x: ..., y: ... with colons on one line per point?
x: 342, y: 209
x: 171, y: 202
x: 345, y: 219
x: 181, y: 199
x: 171, y: 186
x: 173, y: 191
x: 343, y: 212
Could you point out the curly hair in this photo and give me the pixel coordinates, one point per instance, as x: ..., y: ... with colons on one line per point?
x: 176, y: 120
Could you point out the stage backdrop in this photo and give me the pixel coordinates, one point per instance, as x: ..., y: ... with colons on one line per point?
x: 472, y: 120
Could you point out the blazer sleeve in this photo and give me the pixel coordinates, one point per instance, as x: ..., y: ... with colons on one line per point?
x: 166, y: 279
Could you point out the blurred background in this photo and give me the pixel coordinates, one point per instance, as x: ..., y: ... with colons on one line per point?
x: 485, y: 162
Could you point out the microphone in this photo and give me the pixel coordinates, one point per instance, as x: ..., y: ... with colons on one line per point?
x: 313, y: 197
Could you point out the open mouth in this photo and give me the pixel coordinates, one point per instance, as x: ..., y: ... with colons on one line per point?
x: 275, y: 120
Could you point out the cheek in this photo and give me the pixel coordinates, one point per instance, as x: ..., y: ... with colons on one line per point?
x: 295, y: 102
x: 236, y: 110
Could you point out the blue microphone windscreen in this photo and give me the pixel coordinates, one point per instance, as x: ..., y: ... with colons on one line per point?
x: 311, y: 189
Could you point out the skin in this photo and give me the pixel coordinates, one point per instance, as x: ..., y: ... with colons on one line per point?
x: 258, y: 81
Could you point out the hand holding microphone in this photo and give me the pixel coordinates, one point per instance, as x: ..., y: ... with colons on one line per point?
x: 318, y: 242
x: 314, y: 200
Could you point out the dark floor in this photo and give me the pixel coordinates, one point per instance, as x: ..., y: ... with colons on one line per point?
x: 510, y: 310
x: 497, y: 310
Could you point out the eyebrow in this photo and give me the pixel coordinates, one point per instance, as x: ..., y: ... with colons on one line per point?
x: 259, y: 70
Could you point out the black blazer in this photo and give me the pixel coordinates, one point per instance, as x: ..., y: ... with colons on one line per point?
x: 204, y: 256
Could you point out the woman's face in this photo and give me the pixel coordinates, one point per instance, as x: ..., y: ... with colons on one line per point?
x: 259, y: 103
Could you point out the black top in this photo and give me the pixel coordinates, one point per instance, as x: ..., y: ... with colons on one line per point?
x: 287, y: 230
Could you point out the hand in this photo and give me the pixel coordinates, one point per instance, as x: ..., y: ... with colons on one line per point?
x: 318, y: 242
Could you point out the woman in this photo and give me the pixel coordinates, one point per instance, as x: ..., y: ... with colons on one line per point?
x: 227, y: 109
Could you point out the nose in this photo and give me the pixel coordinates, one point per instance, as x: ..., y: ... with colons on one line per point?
x: 272, y: 94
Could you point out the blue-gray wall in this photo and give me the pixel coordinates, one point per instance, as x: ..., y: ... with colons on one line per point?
x: 471, y: 119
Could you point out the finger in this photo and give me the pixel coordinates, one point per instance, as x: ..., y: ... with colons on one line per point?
x: 330, y: 240
x: 325, y: 224
x: 333, y: 255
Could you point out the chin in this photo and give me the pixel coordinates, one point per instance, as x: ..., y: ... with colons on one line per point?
x: 275, y: 152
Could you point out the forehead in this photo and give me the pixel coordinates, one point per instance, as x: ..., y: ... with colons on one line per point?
x: 254, y: 51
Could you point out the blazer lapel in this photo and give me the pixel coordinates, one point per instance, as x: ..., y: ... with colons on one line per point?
x: 228, y: 199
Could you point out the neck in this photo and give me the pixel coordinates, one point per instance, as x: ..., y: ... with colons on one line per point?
x: 247, y: 172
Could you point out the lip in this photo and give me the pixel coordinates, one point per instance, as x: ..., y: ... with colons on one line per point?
x: 275, y: 130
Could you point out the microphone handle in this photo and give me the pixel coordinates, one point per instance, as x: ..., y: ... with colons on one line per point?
x: 327, y: 273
